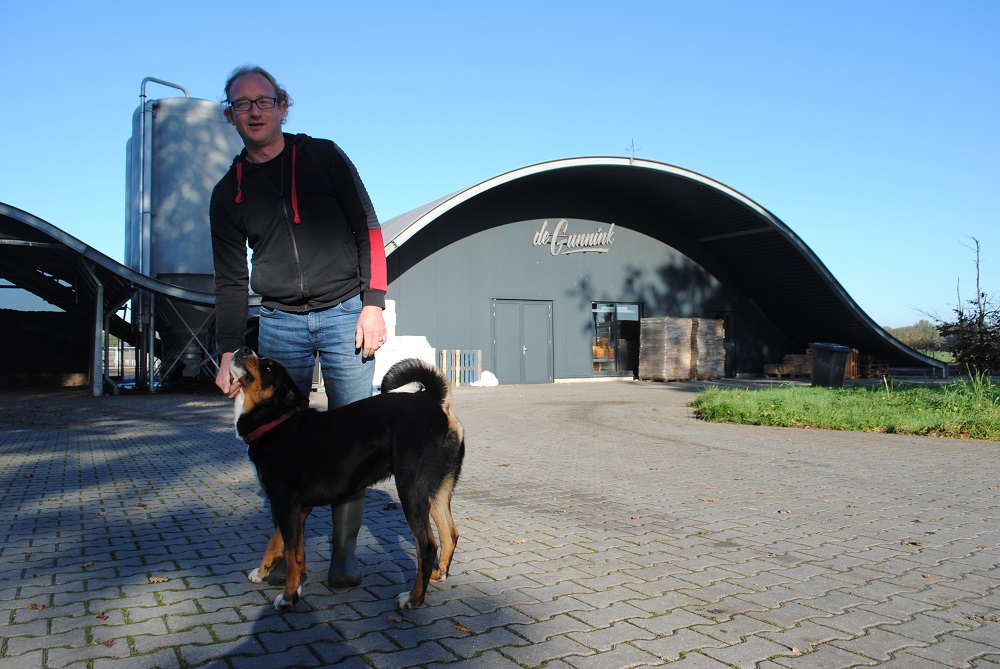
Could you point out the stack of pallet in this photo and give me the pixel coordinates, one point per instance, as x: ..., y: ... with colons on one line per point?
x: 679, y: 349
x: 871, y: 368
x: 796, y: 365
x: 709, y: 349
x: 792, y: 366
x: 665, y: 349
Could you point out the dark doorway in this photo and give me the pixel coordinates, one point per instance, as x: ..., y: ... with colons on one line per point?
x: 616, y: 338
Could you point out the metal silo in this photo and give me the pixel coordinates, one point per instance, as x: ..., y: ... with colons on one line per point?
x: 179, y: 149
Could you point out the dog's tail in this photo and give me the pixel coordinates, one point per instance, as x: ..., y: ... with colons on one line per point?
x: 415, y: 375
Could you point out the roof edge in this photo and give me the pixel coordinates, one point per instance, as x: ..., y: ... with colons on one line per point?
x: 127, y: 274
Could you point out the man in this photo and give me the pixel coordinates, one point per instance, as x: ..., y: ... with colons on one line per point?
x: 318, y: 265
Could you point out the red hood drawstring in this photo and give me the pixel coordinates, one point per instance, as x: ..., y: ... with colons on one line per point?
x: 239, y: 181
x: 295, y: 192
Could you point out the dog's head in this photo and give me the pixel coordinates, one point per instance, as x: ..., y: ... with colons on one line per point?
x: 265, y: 386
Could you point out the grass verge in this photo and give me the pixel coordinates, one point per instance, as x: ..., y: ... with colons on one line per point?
x: 968, y: 409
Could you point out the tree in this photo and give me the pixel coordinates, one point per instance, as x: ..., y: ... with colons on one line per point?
x: 974, y: 335
x: 921, y: 336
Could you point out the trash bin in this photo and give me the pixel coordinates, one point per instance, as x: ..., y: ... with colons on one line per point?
x: 829, y: 364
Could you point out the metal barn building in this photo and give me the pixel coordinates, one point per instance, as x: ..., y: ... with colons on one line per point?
x: 539, y: 267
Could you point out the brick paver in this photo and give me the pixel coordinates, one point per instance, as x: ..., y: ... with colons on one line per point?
x: 601, y: 526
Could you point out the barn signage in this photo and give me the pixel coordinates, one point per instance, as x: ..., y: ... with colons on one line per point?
x: 562, y: 241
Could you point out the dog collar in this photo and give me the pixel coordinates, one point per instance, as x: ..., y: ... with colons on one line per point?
x: 267, y: 427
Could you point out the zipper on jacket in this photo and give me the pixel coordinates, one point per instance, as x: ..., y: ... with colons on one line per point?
x: 289, y: 226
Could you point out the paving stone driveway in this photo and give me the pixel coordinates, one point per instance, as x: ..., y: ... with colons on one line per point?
x: 602, y: 526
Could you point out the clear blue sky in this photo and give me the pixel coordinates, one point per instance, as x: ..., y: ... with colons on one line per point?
x: 871, y: 128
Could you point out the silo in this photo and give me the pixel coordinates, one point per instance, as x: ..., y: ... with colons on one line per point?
x: 179, y: 149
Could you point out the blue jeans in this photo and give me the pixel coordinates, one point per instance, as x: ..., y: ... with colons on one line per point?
x: 295, y: 339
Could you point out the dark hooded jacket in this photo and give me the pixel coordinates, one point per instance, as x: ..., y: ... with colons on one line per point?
x: 315, y: 238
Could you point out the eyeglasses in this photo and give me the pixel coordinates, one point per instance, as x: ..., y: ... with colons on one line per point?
x: 243, y: 105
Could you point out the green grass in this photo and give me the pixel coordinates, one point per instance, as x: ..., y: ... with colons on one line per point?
x: 963, y: 409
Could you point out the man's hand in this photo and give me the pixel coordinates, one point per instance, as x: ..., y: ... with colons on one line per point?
x: 224, y: 379
x: 370, y: 334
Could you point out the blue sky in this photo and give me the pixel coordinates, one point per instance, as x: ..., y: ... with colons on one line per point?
x: 869, y: 127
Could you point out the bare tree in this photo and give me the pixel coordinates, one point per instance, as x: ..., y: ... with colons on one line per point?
x: 974, y: 337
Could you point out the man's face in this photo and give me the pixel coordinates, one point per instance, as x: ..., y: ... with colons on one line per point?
x: 258, y: 128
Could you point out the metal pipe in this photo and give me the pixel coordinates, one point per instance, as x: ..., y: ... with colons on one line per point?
x: 151, y: 345
x: 145, y: 151
x: 146, y: 214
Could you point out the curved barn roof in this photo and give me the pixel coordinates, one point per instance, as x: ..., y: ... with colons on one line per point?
x: 744, y: 245
x: 66, y: 272
x: 40, y: 257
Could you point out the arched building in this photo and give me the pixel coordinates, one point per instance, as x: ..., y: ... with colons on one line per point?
x: 536, y: 266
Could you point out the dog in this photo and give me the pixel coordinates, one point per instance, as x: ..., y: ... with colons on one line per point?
x: 306, y: 458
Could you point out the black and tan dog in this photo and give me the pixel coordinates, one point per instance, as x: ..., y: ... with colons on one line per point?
x: 306, y: 458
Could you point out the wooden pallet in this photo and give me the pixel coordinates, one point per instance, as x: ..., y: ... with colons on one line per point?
x: 873, y: 369
x: 460, y: 366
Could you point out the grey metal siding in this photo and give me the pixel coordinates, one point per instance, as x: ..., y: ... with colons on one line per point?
x: 443, y: 282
